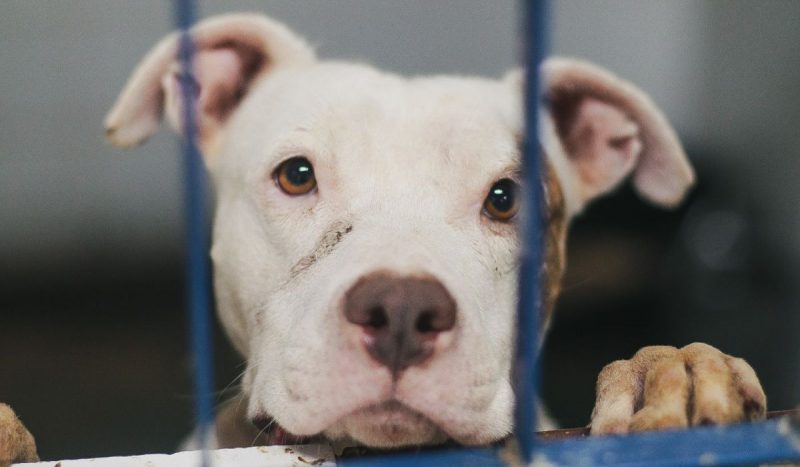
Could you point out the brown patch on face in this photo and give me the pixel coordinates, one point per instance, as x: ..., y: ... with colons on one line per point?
x: 330, y: 239
x: 554, y: 241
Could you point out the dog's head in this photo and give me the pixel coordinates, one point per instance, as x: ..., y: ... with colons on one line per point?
x: 366, y: 237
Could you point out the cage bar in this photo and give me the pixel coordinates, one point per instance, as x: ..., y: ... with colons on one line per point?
x: 197, y: 239
x: 526, y: 364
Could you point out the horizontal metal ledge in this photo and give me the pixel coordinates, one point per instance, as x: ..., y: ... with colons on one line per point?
x: 752, y: 443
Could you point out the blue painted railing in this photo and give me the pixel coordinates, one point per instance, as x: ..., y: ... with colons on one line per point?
x: 526, y: 367
x: 771, y: 441
x: 197, y: 244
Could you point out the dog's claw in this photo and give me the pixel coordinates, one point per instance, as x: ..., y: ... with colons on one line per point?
x: 665, y: 387
x: 16, y: 443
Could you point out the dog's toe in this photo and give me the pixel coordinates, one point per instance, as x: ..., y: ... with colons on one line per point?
x: 16, y: 443
x: 666, y: 388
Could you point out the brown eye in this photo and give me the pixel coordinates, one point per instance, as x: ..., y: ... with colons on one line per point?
x: 295, y: 176
x: 502, y: 202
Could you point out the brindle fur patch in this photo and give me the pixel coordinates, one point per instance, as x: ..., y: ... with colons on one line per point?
x: 554, y: 241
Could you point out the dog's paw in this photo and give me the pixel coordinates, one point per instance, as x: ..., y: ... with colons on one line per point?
x: 665, y: 387
x: 16, y: 443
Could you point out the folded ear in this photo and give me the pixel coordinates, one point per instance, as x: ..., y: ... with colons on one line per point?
x: 231, y: 53
x: 608, y: 129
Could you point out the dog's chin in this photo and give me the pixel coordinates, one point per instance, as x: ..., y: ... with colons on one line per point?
x: 389, y: 425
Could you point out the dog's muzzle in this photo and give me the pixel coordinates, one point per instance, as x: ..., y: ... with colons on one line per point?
x: 400, y: 317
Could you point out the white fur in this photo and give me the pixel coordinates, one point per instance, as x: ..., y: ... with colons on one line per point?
x: 396, y: 159
x: 403, y: 166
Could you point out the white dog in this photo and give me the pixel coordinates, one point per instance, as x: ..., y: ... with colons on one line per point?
x: 365, y: 241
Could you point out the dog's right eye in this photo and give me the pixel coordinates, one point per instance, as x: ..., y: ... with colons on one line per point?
x: 502, y: 202
x: 295, y: 176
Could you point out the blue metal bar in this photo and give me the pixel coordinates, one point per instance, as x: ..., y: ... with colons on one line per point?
x: 526, y: 372
x: 750, y: 444
x: 197, y: 272
x: 454, y: 457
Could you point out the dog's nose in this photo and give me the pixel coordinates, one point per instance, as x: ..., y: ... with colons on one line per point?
x: 401, y: 317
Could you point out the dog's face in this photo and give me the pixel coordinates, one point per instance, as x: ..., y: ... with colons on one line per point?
x: 366, y: 233
x: 401, y: 171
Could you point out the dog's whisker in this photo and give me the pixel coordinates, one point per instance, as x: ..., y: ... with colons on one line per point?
x: 263, y: 431
x: 577, y: 283
x: 242, y: 398
x: 229, y: 386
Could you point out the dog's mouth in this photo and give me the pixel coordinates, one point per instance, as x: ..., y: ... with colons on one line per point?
x: 391, y: 424
x: 270, y: 433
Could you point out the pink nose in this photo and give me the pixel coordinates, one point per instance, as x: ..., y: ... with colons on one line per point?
x: 401, y: 317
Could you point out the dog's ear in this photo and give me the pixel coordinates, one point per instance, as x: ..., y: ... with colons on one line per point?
x: 231, y: 53
x: 607, y: 129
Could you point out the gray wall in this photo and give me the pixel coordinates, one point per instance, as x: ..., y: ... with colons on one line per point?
x: 751, y: 106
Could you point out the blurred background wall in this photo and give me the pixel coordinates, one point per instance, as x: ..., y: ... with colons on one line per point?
x: 91, y: 334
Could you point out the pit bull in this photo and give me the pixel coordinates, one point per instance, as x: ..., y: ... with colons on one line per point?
x: 367, y: 233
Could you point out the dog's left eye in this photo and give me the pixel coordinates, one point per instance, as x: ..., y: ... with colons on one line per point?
x: 502, y: 202
x: 295, y: 176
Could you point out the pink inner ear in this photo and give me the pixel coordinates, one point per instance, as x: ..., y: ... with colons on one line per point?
x: 601, y: 142
x: 222, y: 76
